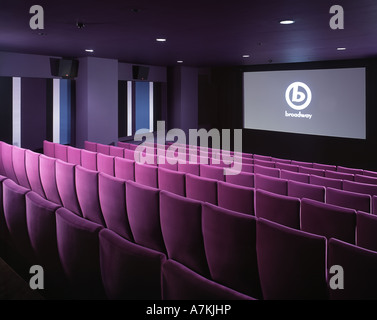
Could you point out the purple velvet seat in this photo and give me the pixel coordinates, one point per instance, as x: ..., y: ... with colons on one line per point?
x: 359, y: 187
x: 267, y: 171
x: 230, y: 246
x: 369, y: 173
x: 129, y: 271
x: 20, y: 167
x: 247, y: 168
x: 294, y: 176
x: 271, y: 184
x: 167, y: 163
x: 124, y: 145
x: 7, y: 160
x: 90, y: 146
x: 131, y: 155
x: 263, y: 163
x: 47, y: 171
x: 365, y: 179
x: 61, y: 152
x: 112, y: 197
x: 78, y: 247
x: 304, y: 190
x: 146, y: 175
x: 74, y: 155
x: 278, y: 208
x: 235, y: 198
x: 105, y: 164
x: 88, y: 195
x: 280, y: 160
x: 41, y: 225
x: 326, y: 182
x: 287, y: 167
x: 348, y: 199
x: 312, y: 171
x: 242, y: 179
x: 292, y: 263
x: 200, y: 188
x: 133, y: 146
x: 116, y: 151
x: 124, y: 169
x: 191, y: 168
x: 181, y: 226
x: 172, y: 181
x: 103, y: 148
x: 4, y: 236
x: 325, y: 167
x: 2, y: 170
x: 32, y: 171
x: 262, y: 157
x: 89, y: 159
x: 49, y: 148
x: 349, y: 170
x: 339, y: 175
x: 302, y: 163
x: 366, y: 230
x: 212, y: 172
x: 360, y: 264
x: 66, y: 184
x: 328, y: 220
x: 182, y: 283
x: 143, y: 209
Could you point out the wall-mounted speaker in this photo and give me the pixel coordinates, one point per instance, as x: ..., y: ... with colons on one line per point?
x: 140, y: 72
x: 64, y: 68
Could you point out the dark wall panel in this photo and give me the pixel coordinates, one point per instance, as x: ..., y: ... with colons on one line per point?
x: 6, y: 109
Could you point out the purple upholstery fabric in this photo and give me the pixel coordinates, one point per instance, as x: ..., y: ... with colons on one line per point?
x: 74, y: 155
x: 312, y: 171
x: 41, y: 224
x: 116, y: 151
x: 88, y: 195
x: 349, y: 170
x: 129, y: 271
x: 278, y: 208
x: 4, y: 236
x: 328, y: 220
x: 103, y: 148
x: 143, y: 208
x: 348, y: 199
x: 20, y: 167
x: 124, y: 145
x: 322, y: 166
x: 267, y: 171
x: 272, y: 184
x: 132, y: 146
x: 167, y: 163
x: 200, y: 188
x: 105, y: 164
x: 244, y: 179
x: 359, y: 187
x: 90, y: 146
x: 32, y: 171
x: 7, y: 159
x: 49, y: 148
x: 2, y: 170
x: 279, y: 160
x: 78, y: 247
x: 236, y: 198
x: 262, y: 157
x: 369, y: 173
x: 263, y: 163
x: 358, y: 262
x: 181, y: 283
x: 366, y: 226
x: 294, y: 176
x: 181, y: 225
x: 66, y: 184
x: 89, y: 159
x: 249, y: 168
x: 112, y: 197
x: 130, y: 155
x: 326, y: 182
x: 124, y: 169
x: 287, y: 167
x: 292, y: 263
x: 172, y: 181
x: 339, y: 175
x: 302, y: 164
x: 146, y: 175
x: 191, y: 168
x: 48, y: 178
x: 304, y: 190
x: 61, y: 152
x: 212, y: 172
x: 365, y: 179
x: 230, y: 246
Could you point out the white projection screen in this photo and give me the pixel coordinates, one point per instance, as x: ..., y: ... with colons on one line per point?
x: 325, y: 102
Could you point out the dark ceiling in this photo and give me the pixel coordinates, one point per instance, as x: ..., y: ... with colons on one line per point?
x: 201, y: 33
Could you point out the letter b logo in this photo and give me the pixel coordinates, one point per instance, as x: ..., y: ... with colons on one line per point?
x: 296, y: 98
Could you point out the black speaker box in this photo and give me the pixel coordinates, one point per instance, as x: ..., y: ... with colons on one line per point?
x: 64, y: 68
x: 140, y: 72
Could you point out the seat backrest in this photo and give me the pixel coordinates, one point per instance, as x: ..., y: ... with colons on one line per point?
x: 49, y: 148
x: 230, y: 246
x: 244, y: 179
x: 339, y: 175
x: 360, y: 187
x: 236, y: 198
x: 295, y: 176
x: 116, y: 151
x: 365, y: 179
x: 323, y: 166
x: 286, y: 167
x: 172, y: 181
x: 19, y: 166
x: 90, y: 146
x: 103, y: 148
x: 267, y: 171
x: 89, y: 159
x: 112, y: 198
x: 278, y: 208
x: 302, y: 164
x: 7, y: 160
x: 326, y: 182
x: 212, y: 172
x: 146, y: 174
x: 271, y: 184
x: 61, y: 152
x: 192, y: 168
x: 200, y: 188
x: 74, y: 155
x: 304, y: 190
x: 291, y: 263
x: 348, y: 199
x: 366, y: 230
x: 328, y: 220
x: 131, y: 155
x: 181, y: 225
x: 124, y: 145
x: 105, y: 164
x: 312, y: 171
x: 32, y: 171
x: 349, y: 170
x: 129, y: 271
x: 124, y: 169
x: 47, y: 168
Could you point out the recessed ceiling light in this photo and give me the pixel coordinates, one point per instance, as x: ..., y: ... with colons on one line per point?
x: 161, y: 39
x: 179, y: 61
x: 287, y: 22
x: 341, y: 49
x: 246, y: 56
x: 89, y: 50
